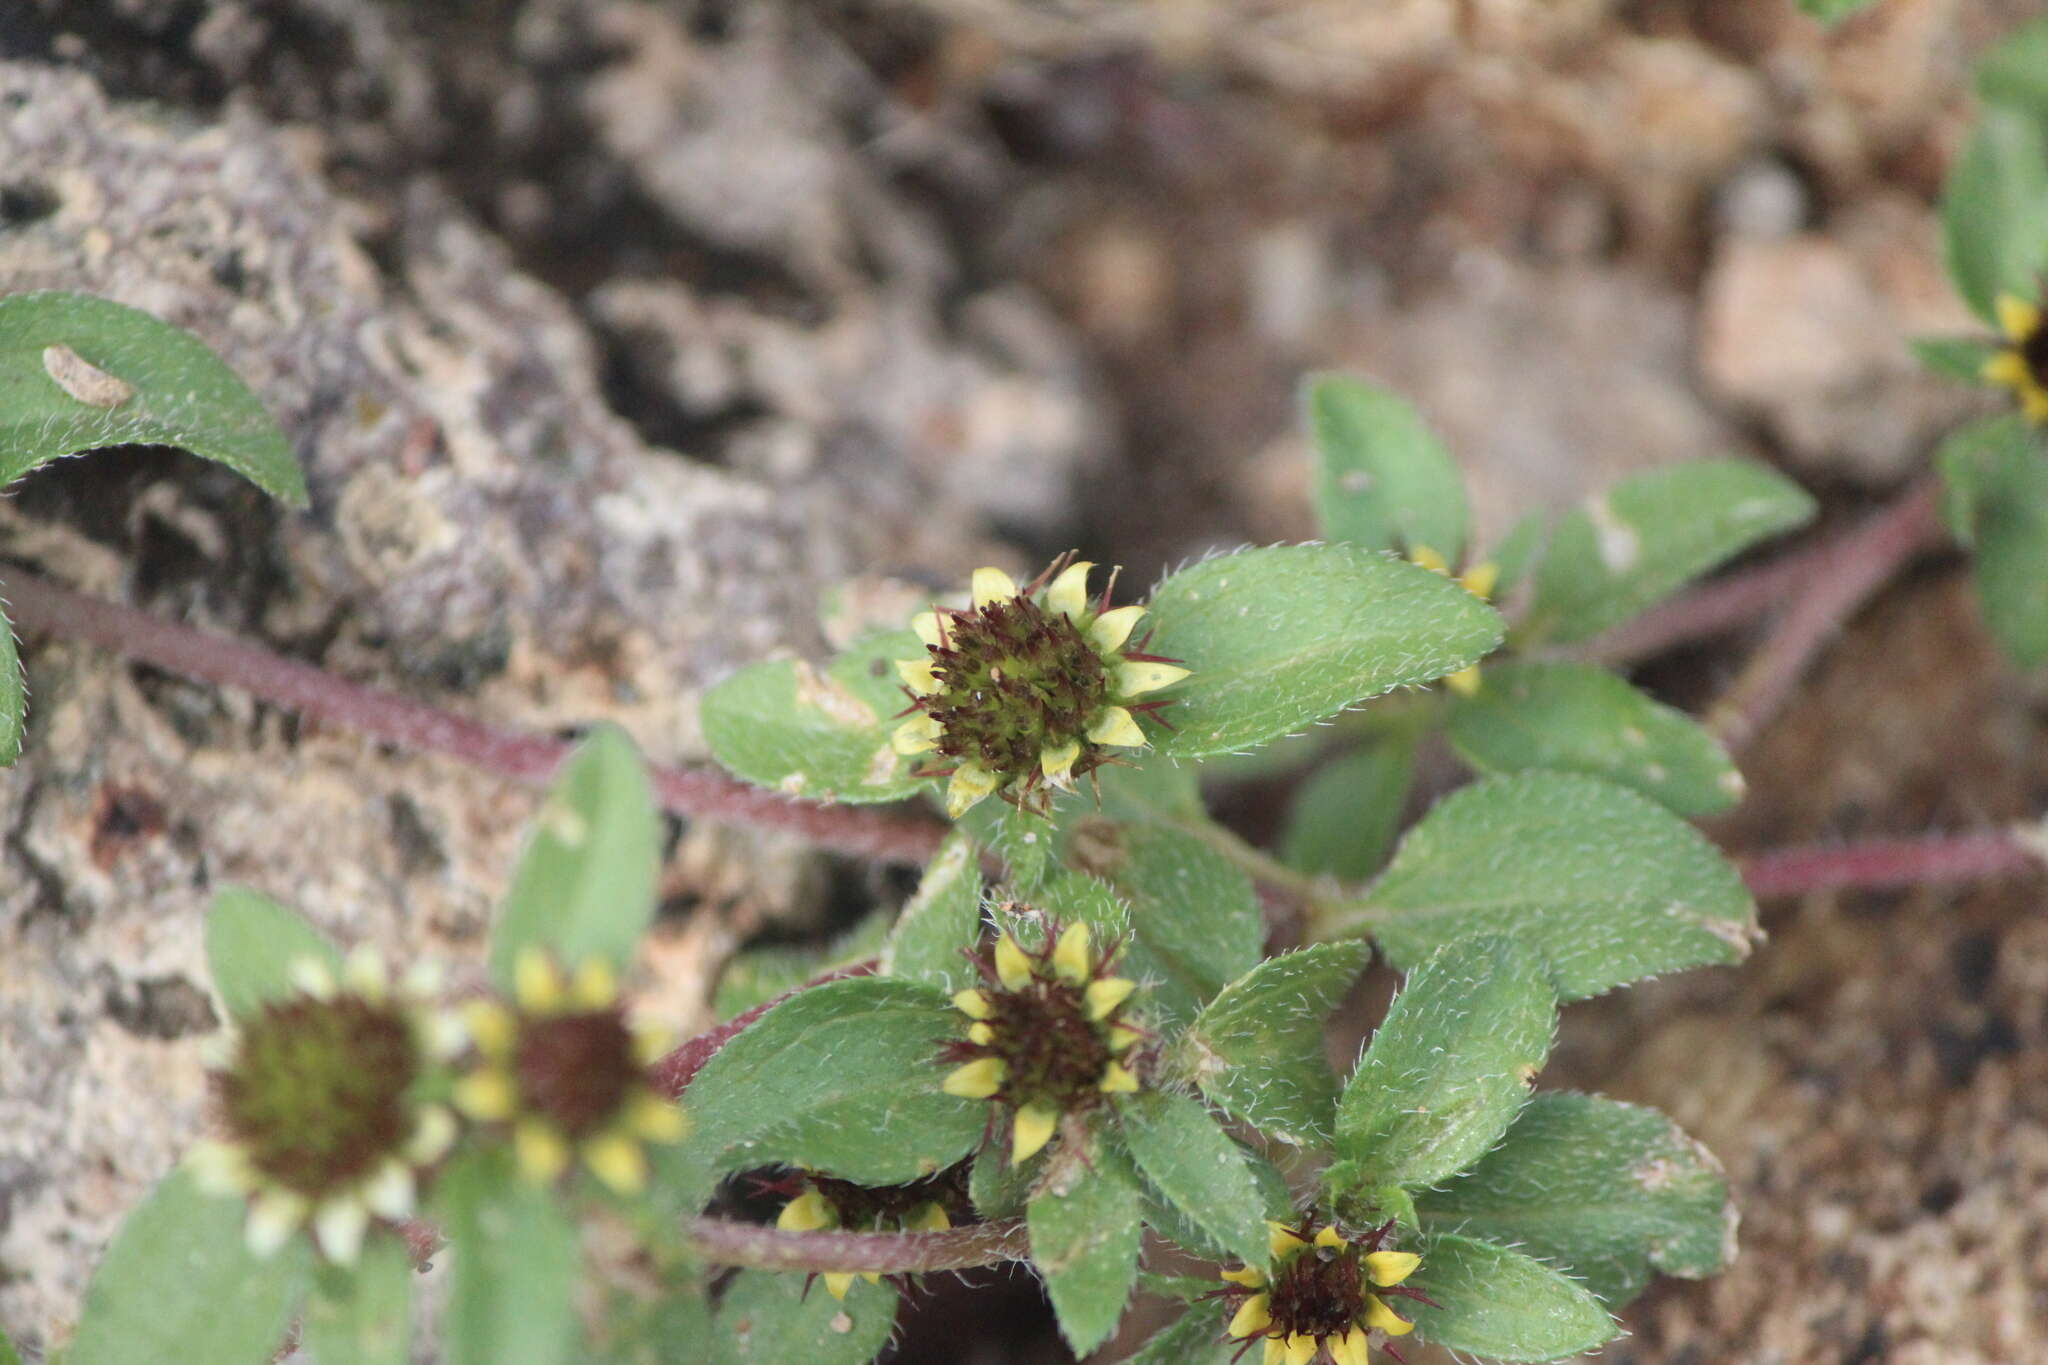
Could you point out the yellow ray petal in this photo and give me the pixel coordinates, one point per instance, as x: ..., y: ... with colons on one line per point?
x: 1057, y: 763
x: 1071, y: 956
x: 2016, y: 317
x: 1341, y: 1352
x: 1465, y: 682
x: 930, y: 1216
x: 311, y: 977
x: 977, y: 1080
x: 972, y: 1003
x: 363, y: 972
x: 1275, y: 1352
x: 541, y: 1151
x: 1121, y: 1037
x: 1389, y: 1268
x: 1302, y: 1348
x: 1251, y: 1277
x: 1013, y: 964
x: 926, y: 625
x: 992, y: 585
x: 433, y: 1133
x: 917, y: 735
x: 1031, y: 1130
x: 1481, y: 579
x: 1117, y: 1080
x: 220, y: 1168
x: 1116, y: 726
x: 596, y: 984
x: 491, y: 1025
x: 536, y: 985
x: 617, y: 1160
x: 808, y: 1212
x: 1253, y: 1316
x: 981, y: 1032
x: 1427, y: 557
x: 1113, y: 627
x: 486, y: 1095
x: 2007, y: 367
x: 970, y: 783
x: 1135, y: 677
x: 273, y: 1219
x: 339, y: 1227
x: 1281, y: 1240
x: 1105, y: 995
x: 1379, y: 1316
x: 917, y: 675
x: 837, y: 1282
x: 391, y: 1192
x: 1329, y: 1237
x: 1068, y: 594
x: 655, y: 1119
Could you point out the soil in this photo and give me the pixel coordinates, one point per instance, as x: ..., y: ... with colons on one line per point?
x: 613, y: 333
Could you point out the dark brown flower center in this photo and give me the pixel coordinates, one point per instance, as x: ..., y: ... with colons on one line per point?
x: 576, y: 1069
x: 1321, y: 1292
x: 316, y: 1092
x: 1052, y: 1052
x: 1014, y: 680
x: 2034, y: 351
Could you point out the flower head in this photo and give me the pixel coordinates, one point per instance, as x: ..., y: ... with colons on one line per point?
x: 568, y: 1073
x: 1326, y: 1297
x: 1480, y: 580
x: 1030, y: 688
x: 2022, y: 366
x: 322, y: 1099
x: 1046, y: 1033
x: 821, y: 1201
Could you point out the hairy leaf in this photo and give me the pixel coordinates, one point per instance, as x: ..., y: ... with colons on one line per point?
x: 511, y: 1298
x: 941, y: 921
x: 1382, y: 478
x: 251, y: 944
x: 1994, y: 211
x: 1084, y: 1224
x: 1343, y: 819
x: 1502, y: 1304
x: 1195, y: 1166
x: 767, y: 1316
x: 363, y: 1315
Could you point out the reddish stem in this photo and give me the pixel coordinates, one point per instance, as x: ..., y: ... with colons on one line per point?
x: 672, y: 1074
x: 38, y: 604
x: 726, y: 1241
x: 1882, y: 863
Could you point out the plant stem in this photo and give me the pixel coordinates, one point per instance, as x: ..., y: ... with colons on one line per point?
x: 1854, y: 568
x: 1883, y: 863
x: 38, y: 604
x: 729, y: 1242
x: 672, y: 1074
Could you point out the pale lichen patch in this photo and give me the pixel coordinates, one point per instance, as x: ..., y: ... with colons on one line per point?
x: 826, y: 694
x: 83, y: 380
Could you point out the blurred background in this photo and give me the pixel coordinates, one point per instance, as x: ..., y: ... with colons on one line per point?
x: 613, y: 332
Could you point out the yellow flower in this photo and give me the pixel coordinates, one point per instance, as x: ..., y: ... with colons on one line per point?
x: 825, y: 1203
x: 1326, y: 1294
x: 1046, y: 1035
x: 320, y: 1099
x: 1480, y: 580
x: 567, y: 1074
x: 1028, y: 689
x: 2022, y: 366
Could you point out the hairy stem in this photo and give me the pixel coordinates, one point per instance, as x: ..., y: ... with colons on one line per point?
x: 1882, y: 863
x: 40, y: 605
x: 727, y: 1242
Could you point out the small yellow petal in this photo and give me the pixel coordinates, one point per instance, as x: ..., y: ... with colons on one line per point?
x: 2034, y: 403
x: 808, y: 1212
x: 972, y: 1003
x: 917, y: 675
x: 390, y: 1193
x: 1057, y: 763
x: 1251, y: 1277
x: 2016, y: 317
x: 618, y: 1161
x: 1275, y: 1352
x: 917, y: 735
x: 491, y: 1025
x: 1426, y: 557
x: 1389, y: 1268
x: 1360, y: 1344
x: 273, y: 1219
x: 1253, y: 1316
x: 652, y: 1042
x: 929, y: 1216
x: 487, y: 1095
x: 2007, y: 367
x: 541, y: 1151
x: 220, y: 1168
x: 837, y: 1282
x: 977, y: 1080
x: 981, y: 1033
x: 871, y: 1276
x: 1013, y: 964
x: 655, y: 1119
x: 1031, y: 1130
x: 311, y: 977
x: 1329, y: 1237
x: 1068, y: 594
x: 970, y: 783
x: 1481, y: 579
x: 596, y: 985
x: 1134, y: 677
x: 992, y: 585
x: 1280, y: 1240
x: 1121, y: 1037
x: 433, y: 1133
x: 1465, y: 682
x: 535, y: 982
x: 363, y: 972
x: 1105, y: 995
x: 1117, y: 726
x: 1302, y: 1348
x: 926, y: 624
x: 1385, y: 1319
x: 1341, y: 1352
x: 1117, y: 1080
x: 1071, y: 957
x: 339, y: 1227
x: 1113, y: 627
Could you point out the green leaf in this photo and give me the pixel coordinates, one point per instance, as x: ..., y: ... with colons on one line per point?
x: 1026, y: 844
x: 1608, y: 885
x: 180, y: 1283
x: 585, y: 887
x: 1286, y: 635
x: 1257, y: 1049
x: 1171, y: 1221
x: 2016, y: 71
x: 1382, y: 478
x: 13, y: 693
x: 1084, y: 1223
x: 1150, y: 790
x: 1195, y: 921
x: 1503, y: 1305
x: 1994, y: 211
x: 639, y: 1331
x: 78, y: 373
x: 1194, y: 1338
x: 783, y: 724
x: 1198, y: 1169
x: 997, y: 1188
x: 757, y: 975
x: 1343, y: 819
x: 1995, y: 498
x: 511, y: 1297
x: 1958, y: 358
x: 941, y: 921
x: 1610, y: 1192
x: 841, y: 1078
x: 1832, y: 11
x: 1451, y: 1066
x: 8, y: 1355
x: 766, y: 1316
x: 363, y: 1315
x: 1651, y: 534
x: 1580, y: 718
x: 251, y: 943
